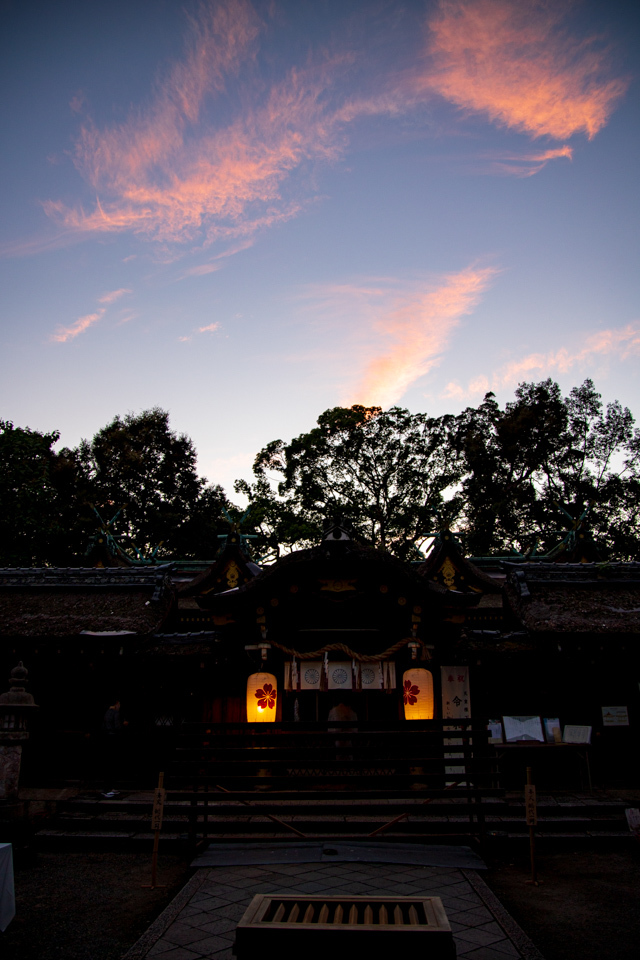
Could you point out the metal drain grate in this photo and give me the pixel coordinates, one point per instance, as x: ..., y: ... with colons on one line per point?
x: 341, y: 924
x: 297, y: 910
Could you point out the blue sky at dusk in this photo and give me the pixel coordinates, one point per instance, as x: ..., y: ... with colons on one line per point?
x: 248, y: 213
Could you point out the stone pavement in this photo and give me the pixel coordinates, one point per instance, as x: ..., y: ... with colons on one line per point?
x: 200, y: 922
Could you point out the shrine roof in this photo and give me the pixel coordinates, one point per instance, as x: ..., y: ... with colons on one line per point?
x: 332, y: 572
x: 57, y: 602
x: 575, y: 597
x: 366, y: 558
x: 575, y: 573
x: 447, y: 565
x: 232, y: 568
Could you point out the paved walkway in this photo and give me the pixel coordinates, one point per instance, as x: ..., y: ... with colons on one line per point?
x: 200, y: 922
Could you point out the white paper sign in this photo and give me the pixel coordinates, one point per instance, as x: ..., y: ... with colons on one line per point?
x: 456, y: 702
x: 371, y: 676
x: 615, y: 716
x: 310, y: 674
x: 340, y: 675
x: 456, y: 705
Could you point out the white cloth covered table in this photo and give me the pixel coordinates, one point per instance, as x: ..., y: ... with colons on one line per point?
x: 7, y: 892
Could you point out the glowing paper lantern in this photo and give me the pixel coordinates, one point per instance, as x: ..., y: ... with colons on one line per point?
x: 262, y: 693
x: 417, y: 693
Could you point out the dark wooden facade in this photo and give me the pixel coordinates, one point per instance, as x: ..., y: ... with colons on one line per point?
x: 549, y: 639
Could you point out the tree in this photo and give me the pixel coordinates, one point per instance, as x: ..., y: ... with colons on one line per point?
x: 391, y: 475
x: 139, y: 463
x: 598, y: 466
x: 30, y: 523
x: 197, y: 536
x: 544, y: 453
x: 505, y: 453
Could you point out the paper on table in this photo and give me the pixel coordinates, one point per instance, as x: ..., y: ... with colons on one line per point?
x: 550, y: 725
x: 576, y: 734
x: 523, y: 728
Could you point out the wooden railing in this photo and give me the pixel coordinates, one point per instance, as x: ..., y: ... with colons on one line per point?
x: 281, y: 769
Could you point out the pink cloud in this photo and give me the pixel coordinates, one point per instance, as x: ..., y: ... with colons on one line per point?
x: 527, y: 164
x: 202, y: 270
x: 212, y: 266
x: 169, y: 175
x: 621, y: 343
x: 113, y: 295
x: 211, y: 328
x: 81, y: 324
x: 175, y: 173
x: 515, y: 63
x: 407, y: 330
x: 42, y: 244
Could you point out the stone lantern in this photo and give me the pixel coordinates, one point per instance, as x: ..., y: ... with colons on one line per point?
x: 16, y: 709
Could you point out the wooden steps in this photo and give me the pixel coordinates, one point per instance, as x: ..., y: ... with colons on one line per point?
x: 126, y: 821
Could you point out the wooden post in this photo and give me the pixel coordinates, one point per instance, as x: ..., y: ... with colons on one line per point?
x: 156, y: 825
x: 531, y: 813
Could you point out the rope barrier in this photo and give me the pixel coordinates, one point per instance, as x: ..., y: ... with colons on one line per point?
x: 352, y: 654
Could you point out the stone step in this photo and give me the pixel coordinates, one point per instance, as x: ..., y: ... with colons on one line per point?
x: 141, y: 806
x: 125, y: 820
x: 340, y: 824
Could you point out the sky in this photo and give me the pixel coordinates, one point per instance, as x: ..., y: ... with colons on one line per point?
x: 247, y: 213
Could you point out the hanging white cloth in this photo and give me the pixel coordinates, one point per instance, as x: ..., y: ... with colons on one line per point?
x: 7, y: 892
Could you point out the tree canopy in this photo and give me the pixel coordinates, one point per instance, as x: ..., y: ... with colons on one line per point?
x: 30, y: 508
x: 138, y: 463
x: 391, y: 474
x: 544, y: 454
x: 509, y: 478
x: 135, y: 464
x: 504, y: 478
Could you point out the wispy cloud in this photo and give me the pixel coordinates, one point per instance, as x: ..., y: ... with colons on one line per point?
x: 526, y: 164
x: 398, y: 328
x: 418, y: 328
x: 209, y: 328
x: 214, y: 264
x: 178, y: 172
x: 40, y: 244
x: 81, y: 324
x: 113, y: 295
x: 621, y: 343
x: 514, y: 62
x: 201, y: 270
x: 171, y: 175
x: 63, y: 334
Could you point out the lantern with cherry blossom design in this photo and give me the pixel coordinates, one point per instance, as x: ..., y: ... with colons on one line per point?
x: 262, y: 694
x: 417, y: 693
